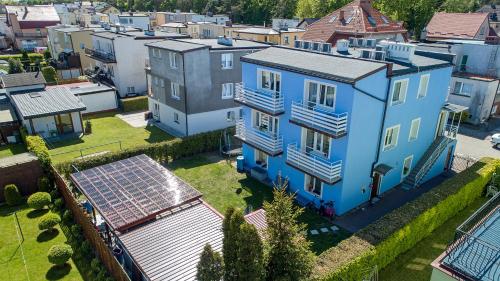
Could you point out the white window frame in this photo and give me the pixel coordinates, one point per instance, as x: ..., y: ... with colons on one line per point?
x: 230, y: 116
x: 259, y: 80
x: 227, y: 94
x: 422, y: 89
x: 286, y: 40
x: 227, y: 61
x: 174, y: 90
x: 174, y: 63
x: 306, y: 177
x: 130, y: 90
x: 391, y: 146
x: 403, y: 176
x: 273, y: 123
x: 322, y: 104
x: 319, y: 139
x: 176, y: 118
x: 256, y: 153
x: 461, y: 91
x: 413, y: 122
x: 162, y: 83
x: 402, y: 98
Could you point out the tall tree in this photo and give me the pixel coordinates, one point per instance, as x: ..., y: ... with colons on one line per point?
x: 305, y: 9
x: 461, y: 6
x: 15, y: 66
x: 284, y: 9
x: 233, y: 219
x: 250, y: 262
x: 210, y: 266
x: 289, y: 254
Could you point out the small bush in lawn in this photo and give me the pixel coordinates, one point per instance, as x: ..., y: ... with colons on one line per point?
x: 49, y: 221
x: 39, y: 200
x: 60, y: 254
x: 12, y: 195
x: 44, y: 184
x: 67, y: 216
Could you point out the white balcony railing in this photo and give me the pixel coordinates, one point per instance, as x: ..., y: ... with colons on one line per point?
x: 272, y: 103
x: 451, y: 131
x: 267, y: 142
x: 319, y: 118
x: 313, y: 164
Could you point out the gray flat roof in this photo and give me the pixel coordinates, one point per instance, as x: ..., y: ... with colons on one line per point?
x: 343, y: 69
x: 22, y: 79
x: 46, y: 103
x: 7, y: 113
x: 18, y: 159
x: 140, y: 35
x: 237, y: 43
x: 89, y: 89
x: 176, y: 45
x: 170, y: 247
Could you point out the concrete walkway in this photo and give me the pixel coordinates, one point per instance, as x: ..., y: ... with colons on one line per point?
x: 391, y: 200
x: 134, y: 119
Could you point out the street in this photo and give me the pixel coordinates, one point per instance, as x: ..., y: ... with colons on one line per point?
x: 476, y: 143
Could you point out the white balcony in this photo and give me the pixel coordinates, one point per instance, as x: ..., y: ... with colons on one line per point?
x: 319, y: 118
x: 268, y: 102
x: 314, y: 164
x: 271, y: 144
x: 450, y: 131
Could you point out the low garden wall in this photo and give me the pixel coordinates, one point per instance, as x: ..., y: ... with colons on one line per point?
x: 24, y: 172
x: 382, y: 241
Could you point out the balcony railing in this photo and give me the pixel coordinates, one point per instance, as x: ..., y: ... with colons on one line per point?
x: 272, y: 103
x: 30, y: 35
x: 272, y: 144
x: 319, y: 118
x: 314, y: 164
x: 451, y: 131
x: 101, y: 55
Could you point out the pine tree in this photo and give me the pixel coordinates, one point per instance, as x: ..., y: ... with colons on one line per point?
x: 289, y: 254
x: 15, y: 66
x: 250, y: 263
x: 230, y: 227
x: 210, y: 267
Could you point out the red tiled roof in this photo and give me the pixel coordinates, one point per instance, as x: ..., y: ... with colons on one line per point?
x: 455, y: 25
x: 359, y: 18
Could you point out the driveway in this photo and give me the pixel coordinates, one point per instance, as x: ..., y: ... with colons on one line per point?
x: 134, y: 119
x: 476, y: 143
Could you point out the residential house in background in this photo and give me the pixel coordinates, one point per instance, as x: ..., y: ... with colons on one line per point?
x: 305, y: 22
x: 66, y: 13
x: 230, y: 28
x: 29, y: 25
x: 174, y: 27
x: 118, y: 58
x: 192, y: 83
x: 356, y: 19
x: 185, y: 17
x: 475, y: 79
x: 268, y: 35
x: 9, y: 123
x: 21, y: 82
x: 461, y: 26
x: 346, y: 126
x: 205, y: 30
x: 66, y: 44
x: 88, y: 20
x: 494, y: 12
x: 284, y: 23
x: 130, y: 19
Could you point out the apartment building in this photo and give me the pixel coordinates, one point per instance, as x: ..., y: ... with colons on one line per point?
x: 29, y: 25
x: 119, y: 58
x: 205, y: 30
x: 346, y: 125
x: 141, y: 21
x: 193, y: 82
x: 185, y: 17
x: 285, y: 36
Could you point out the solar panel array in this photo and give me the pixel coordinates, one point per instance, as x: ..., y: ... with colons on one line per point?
x: 130, y: 191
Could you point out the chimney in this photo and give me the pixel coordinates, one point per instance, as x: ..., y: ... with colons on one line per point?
x: 341, y: 15
x: 365, y: 4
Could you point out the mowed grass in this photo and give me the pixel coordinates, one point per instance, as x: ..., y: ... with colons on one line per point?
x: 107, y: 131
x: 415, y: 265
x: 223, y: 187
x: 11, y: 149
x: 35, y: 265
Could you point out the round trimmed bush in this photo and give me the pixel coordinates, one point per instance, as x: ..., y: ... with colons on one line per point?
x: 67, y: 216
x: 59, y: 254
x: 49, y: 221
x: 44, y: 184
x: 58, y: 203
x: 39, y: 200
x: 12, y: 195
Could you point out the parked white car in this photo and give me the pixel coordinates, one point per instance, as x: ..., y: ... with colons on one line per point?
x: 495, y: 140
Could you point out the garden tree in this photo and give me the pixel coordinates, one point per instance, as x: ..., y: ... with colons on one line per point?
x: 305, y: 9
x: 15, y: 66
x: 250, y: 262
x: 210, y: 266
x: 288, y: 255
x: 25, y: 60
x: 59, y: 254
x: 46, y: 55
x: 460, y: 6
x: 12, y: 196
x: 44, y: 184
x: 233, y: 219
x: 199, y: 6
x: 284, y: 9
x: 39, y: 200
x: 49, y: 221
x: 49, y: 73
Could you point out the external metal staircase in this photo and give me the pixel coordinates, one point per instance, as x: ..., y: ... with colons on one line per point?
x: 414, y: 179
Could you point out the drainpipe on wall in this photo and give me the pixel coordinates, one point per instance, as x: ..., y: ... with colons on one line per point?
x: 185, y: 94
x: 379, y: 141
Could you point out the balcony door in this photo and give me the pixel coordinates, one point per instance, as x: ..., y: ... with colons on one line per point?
x: 265, y: 123
x: 316, y: 143
x: 64, y: 124
x: 320, y: 95
x: 269, y: 81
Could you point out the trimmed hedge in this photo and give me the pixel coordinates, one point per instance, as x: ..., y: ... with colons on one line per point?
x: 44, y: 184
x: 37, y: 145
x: 382, y: 241
x: 49, y: 221
x: 59, y: 254
x: 139, y: 103
x: 12, y: 195
x: 33, y: 57
x: 39, y: 200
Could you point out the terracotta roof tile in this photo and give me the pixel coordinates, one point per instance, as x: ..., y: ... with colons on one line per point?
x: 455, y: 25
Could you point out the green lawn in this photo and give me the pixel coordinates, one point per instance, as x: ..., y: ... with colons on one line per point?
x: 34, y: 248
x: 106, y: 129
x: 11, y: 149
x: 415, y: 265
x: 223, y: 187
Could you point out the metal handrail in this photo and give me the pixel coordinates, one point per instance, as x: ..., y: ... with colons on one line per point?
x: 273, y: 101
x: 268, y: 140
x: 100, y: 54
x: 431, y: 160
x: 322, y: 166
x: 319, y: 116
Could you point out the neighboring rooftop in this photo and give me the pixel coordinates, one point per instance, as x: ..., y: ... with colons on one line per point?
x: 173, y: 24
x: 455, y: 25
x: 259, y: 30
x: 308, y: 21
x: 46, y: 103
x: 37, y: 16
x: 236, y: 43
x: 257, y: 219
x: 7, y: 113
x: 18, y: 159
x: 86, y: 88
x: 493, y: 10
x: 22, y: 79
x: 140, y: 35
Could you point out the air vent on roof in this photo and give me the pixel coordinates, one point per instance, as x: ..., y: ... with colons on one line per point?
x: 149, y: 32
x: 343, y: 45
x: 35, y: 95
x: 352, y: 42
x: 371, y: 43
x: 326, y: 48
x: 222, y: 40
x: 298, y: 44
x: 399, y: 51
x: 315, y: 46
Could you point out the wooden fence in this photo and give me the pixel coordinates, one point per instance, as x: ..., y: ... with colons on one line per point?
x: 89, y: 231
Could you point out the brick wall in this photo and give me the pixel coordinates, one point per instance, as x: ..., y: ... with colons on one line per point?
x: 24, y: 176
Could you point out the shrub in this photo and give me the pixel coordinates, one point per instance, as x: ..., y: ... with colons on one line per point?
x: 46, y: 55
x: 95, y: 265
x: 67, y: 216
x: 49, y: 221
x: 59, y: 254
x: 44, y: 184
x: 86, y: 250
x: 15, y: 66
x: 58, y: 203
x: 88, y: 127
x: 76, y: 231
x: 37, y: 145
x: 135, y: 104
x: 39, y: 200
x: 12, y: 195
x: 50, y: 74
x: 54, y: 194
x: 382, y: 241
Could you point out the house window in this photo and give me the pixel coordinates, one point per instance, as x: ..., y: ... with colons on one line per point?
x: 173, y: 60
x: 174, y: 90
x: 155, y: 81
x: 286, y: 40
x: 82, y: 46
x: 269, y: 80
x: 415, y: 126
x: 227, y: 61
x: 462, y: 88
x: 407, y: 166
x: 176, y: 117
x: 424, y: 84
x: 399, y: 91
x: 230, y: 116
x: 320, y: 94
x: 463, y: 63
x: 227, y: 90
x: 131, y: 90
x: 391, y: 137
x: 313, y: 185
x: 156, y: 53
x: 162, y: 83
x: 265, y: 123
x: 316, y: 143
x: 261, y: 159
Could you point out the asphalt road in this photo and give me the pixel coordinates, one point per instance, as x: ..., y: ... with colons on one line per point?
x: 476, y: 143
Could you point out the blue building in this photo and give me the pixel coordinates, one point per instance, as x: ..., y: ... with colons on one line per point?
x: 349, y: 124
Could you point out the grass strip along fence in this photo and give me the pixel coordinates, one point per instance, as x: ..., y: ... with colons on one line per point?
x: 395, y: 233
